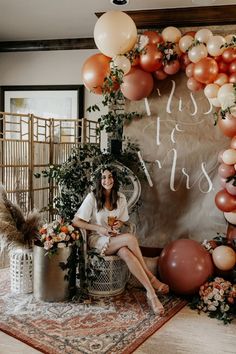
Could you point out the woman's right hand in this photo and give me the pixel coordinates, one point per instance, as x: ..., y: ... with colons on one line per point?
x: 103, y: 231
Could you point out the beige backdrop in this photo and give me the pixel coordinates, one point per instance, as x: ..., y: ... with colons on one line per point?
x: 178, y: 138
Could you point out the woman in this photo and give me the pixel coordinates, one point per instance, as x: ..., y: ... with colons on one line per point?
x: 93, y: 215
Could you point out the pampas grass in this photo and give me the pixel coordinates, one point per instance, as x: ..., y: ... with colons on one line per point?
x: 16, y: 230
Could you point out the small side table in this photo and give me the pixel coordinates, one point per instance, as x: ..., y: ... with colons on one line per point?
x: 21, y: 270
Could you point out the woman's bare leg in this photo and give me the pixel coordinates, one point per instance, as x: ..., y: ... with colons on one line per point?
x: 131, y: 242
x: 137, y: 270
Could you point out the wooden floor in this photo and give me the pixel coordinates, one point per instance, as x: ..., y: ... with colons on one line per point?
x: 186, y: 333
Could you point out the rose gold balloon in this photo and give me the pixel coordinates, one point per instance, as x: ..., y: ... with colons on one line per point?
x: 154, y: 37
x: 219, y: 159
x: 184, y: 61
x: 223, y: 182
x: 160, y: 75
x: 232, y: 67
x: 224, y: 257
x: 172, y: 67
x: 226, y: 170
x: 227, y: 125
x: 233, y: 143
x: 223, y: 67
x: 194, y: 85
x: 206, y: 70
x: 229, y: 55
x: 151, y: 58
x: 189, y: 70
x: 185, y: 265
x: 94, y: 71
x: 231, y: 229
x: 137, y: 84
x: 221, y: 79
x: 232, y: 78
x: 225, y: 201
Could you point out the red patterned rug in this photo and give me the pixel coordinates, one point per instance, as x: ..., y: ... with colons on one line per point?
x: 114, y: 325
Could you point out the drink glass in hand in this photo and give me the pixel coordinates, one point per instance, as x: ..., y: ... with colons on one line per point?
x: 111, y: 221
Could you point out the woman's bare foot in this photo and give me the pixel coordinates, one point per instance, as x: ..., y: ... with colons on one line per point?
x: 161, y: 288
x: 155, y: 304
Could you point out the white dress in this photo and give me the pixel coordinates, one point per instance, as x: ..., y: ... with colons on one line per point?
x: 88, y: 212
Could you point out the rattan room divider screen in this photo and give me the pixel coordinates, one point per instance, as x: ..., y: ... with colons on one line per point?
x: 30, y: 144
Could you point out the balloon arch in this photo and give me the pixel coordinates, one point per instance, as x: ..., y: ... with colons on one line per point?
x: 208, y: 60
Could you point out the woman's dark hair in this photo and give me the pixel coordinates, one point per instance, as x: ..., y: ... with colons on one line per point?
x: 99, y: 190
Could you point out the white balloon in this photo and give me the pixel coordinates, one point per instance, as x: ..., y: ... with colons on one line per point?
x: 121, y: 63
x: 185, y: 42
x: 229, y: 157
x: 171, y: 34
x: 230, y: 217
x: 215, y: 45
x: 211, y: 90
x: 215, y: 102
x: 203, y: 35
x: 197, y: 53
x: 226, y: 95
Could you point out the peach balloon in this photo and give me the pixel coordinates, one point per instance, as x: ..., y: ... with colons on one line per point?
x: 233, y: 143
x: 226, y: 170
x: 221, y: 79
x: 224, y: 257
x: 153, y: 36
x: 185, y: 42
x: 227, y: 125
x: 215, y: 45
x: 194, y: 85
x: 189, y: 70
x: 232, y: 67
x: 94, y: 71
x: 211, y: 90
x: 203, y: 35
x: 151, y: 58
x: 171, y: 34
x: 121, y: 63
x: 229, y: 156
x: 205, y: 71
x: 137, y: 84
x: 197, y: 53
x: 115, y: 33
x: 231, y: 217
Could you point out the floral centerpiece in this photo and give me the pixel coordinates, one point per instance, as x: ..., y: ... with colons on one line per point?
x: 217, y: 298
x: 57, y: 234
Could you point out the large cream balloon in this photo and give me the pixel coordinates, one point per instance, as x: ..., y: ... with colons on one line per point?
x: 224, y: 257
x: 197, y: 53
x: 115, y: 33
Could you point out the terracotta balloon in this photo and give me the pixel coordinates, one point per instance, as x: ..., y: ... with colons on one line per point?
x: 115, y: 33
x: 223, y: 67
x: 229, y: 55
x: 172, y: 67
x: 94, y: 71
x: 160, y: 74
x: 232, y: 78
x: 227, y: 125
x: 137, y: 84
x: 226, y: 170
x: 153, y: 36
x: 206, y: 70
x: 224, y: 257
x: 151, y: 58
x: 225, y: 201
x: 185, y: 265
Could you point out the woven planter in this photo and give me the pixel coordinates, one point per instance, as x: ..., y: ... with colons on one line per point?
x: 49, y: 279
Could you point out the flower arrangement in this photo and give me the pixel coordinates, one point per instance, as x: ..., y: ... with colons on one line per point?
x: 217, y: 298
x: 57, y: 234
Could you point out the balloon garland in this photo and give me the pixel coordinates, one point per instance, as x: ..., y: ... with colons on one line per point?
x: 208, y: 60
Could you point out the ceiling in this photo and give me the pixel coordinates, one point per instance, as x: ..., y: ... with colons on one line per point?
x: 58, y: 19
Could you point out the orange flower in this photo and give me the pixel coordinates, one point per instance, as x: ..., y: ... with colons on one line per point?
x: 42, y: 231
x: 64, y: 229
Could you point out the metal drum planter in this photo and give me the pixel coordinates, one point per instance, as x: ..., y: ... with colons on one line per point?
x: 48, y: 277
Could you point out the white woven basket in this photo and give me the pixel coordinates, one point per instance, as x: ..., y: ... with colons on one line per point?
x: 112, y: 278
x: 21, y: 270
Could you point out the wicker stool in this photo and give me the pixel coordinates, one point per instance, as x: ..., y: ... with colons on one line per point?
x: 21, y: 270
x: 112, y: 278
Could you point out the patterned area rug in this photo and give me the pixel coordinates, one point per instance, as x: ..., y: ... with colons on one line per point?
x: 114, y: 325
